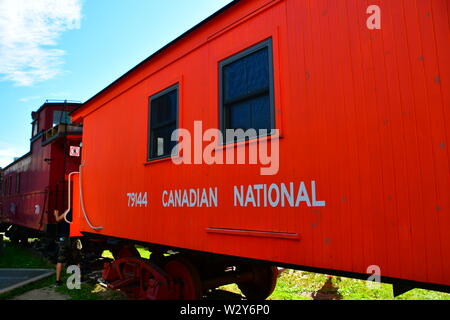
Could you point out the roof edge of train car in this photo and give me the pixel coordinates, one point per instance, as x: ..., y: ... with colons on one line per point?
x: 75, y: 113
x: 16, y: 161
x: 44, y: 105
x: 58, y: 102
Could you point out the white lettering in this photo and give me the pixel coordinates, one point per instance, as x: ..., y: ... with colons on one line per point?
x: 302, y: 196
x: 277, y: 195
x: 191, y: 198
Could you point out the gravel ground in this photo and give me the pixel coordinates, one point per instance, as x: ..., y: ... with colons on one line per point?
x: 47, y: 293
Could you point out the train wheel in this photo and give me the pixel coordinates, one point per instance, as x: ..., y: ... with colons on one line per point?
x: 181, y: 270
x: 263, y: 284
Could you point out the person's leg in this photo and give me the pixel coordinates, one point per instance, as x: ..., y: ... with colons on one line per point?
x: 61, y: 259
x: 59, y: 267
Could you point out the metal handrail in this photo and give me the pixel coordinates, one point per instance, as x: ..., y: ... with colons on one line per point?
x: 69, y: 203
x: 82, y: 201
x: 61, y: 101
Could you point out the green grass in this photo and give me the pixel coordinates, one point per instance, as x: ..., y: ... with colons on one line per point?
x: 292, y: 285
x: 107, y: 254
x: 19, y: 257
x: 352, y: 289
x: 143, y: 252
x: 89, y: 291
x: 19, y: 291
x: 299, y: 285
x: 13, y: 256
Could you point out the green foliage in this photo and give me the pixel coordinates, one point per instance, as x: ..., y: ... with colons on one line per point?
x: 292, y: 285
x: 300, y: 285
x: 143, y: 252
x: 13, y: 256
x: 89, y: 291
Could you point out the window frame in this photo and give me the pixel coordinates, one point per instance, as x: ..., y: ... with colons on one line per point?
x: 34, y: 124
x: 268, y: 43
x: 62, y: 112
x: 175, y: 87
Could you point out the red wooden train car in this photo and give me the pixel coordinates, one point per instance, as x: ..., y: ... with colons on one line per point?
x: 35, y: 184
x: 355, y: 94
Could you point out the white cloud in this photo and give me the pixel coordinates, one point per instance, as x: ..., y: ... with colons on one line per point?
x: 28, y: 99
x: 8, y: 153
x: 28, y: 31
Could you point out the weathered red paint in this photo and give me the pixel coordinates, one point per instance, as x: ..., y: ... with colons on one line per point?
x: 43, y: 174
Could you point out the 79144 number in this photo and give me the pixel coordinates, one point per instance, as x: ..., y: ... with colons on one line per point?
x: 137, y: 200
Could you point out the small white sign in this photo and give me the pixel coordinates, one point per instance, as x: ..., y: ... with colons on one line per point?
x: 74, y: 151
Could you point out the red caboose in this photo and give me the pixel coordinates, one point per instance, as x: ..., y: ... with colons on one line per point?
x: 35, y: 184
x: 360, y: 97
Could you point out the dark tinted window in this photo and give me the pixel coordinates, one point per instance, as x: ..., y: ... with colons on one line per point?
x: 163, y: 121
x: 18, y: 183
x: 35, y: 129
x: 247, y: 89
x: 61, y: 117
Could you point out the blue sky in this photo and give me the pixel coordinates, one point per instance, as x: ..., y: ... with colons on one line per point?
x: 72, y: 49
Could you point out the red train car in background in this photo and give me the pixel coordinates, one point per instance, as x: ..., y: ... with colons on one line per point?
x: 359, y: 93
x: 35, y: 185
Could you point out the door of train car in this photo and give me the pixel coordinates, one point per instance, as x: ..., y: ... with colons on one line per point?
x: 258, y: 195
